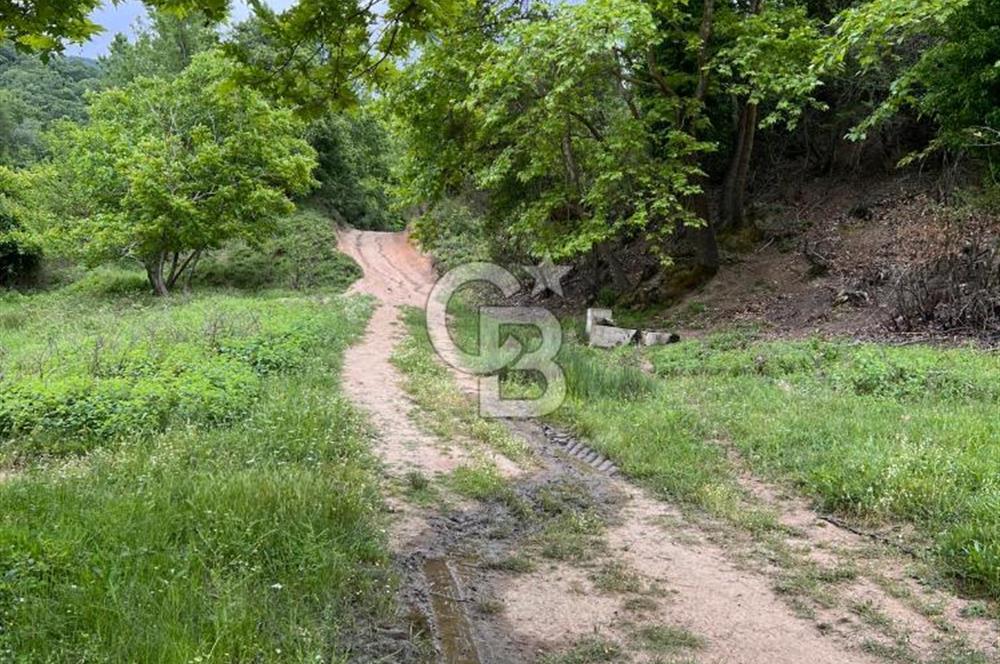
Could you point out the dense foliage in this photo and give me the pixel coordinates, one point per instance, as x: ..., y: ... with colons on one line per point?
x: 585, y: 125
x: 167, y: 169
x: 355, y: 156
x: 33, y: 95
x: 181, y: 479
x: 18, y: 254
x: 301, y: 255
x: 946, y: 52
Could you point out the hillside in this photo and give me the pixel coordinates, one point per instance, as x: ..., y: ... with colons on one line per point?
x: 841, y: 257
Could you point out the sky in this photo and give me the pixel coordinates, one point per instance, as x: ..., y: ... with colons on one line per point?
x: 123, y: 16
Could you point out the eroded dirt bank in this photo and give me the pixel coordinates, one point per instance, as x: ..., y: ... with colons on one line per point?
x: 572, y: 559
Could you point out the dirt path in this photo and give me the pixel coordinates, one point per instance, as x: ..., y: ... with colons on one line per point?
x: 518, y: 579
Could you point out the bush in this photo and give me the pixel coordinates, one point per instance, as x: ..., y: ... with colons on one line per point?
x: 452, y: 234
x: 354, y: 172
x: 301, y: 256
x: 106, y: 281
x: 19, y: 258
x: 201, y: 362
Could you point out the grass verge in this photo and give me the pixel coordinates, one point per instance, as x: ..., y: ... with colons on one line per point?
x: 444, y: 409
x: 873, y: 432
x: 239, y: 522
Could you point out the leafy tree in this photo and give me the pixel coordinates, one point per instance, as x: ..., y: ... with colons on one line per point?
x: 584, y: 125
x: 765, y: 62
x: 574, y: 160
x: 18, y: 254
x: 163, y: 48
x: 945, y: 55
x: 353, y: 146
x: 44, y: 25
x: 167, y: 169
x: 354, y: 170
x: 319, y: 53
x: 549, y: 123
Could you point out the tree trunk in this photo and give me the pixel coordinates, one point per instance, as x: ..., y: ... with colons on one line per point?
x: 154, y: 272
x: 705, y: 240
x: 735, y: 185
x: 190, y: 271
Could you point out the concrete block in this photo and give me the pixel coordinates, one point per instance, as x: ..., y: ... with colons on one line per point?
x: 609, y: 336
x: 598, y: 317
x: 653, y: 338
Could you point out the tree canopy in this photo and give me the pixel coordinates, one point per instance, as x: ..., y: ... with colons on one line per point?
x: 169, y: 168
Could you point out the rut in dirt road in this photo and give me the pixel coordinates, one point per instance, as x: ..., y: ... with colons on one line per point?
x: 642, y: 580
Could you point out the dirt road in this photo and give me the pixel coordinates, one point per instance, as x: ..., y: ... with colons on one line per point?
x: 649, y: 584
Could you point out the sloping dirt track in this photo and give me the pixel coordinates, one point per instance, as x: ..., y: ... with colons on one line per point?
x: 652, y: 584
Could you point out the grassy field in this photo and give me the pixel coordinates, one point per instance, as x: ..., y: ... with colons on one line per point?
x: 182, y: 480
x: 879, y: 434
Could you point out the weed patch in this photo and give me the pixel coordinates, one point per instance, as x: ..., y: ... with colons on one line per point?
x: 251, y: 536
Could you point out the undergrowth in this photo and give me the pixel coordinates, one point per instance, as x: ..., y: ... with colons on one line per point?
x: 184, y: 481
x: 875, y: 433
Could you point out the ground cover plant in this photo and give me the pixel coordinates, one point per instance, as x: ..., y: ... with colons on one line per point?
x: 183, y: 480
x: 876, y: 433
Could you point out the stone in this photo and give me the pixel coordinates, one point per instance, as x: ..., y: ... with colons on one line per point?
x: 654, y: 338
x: 609, y: 336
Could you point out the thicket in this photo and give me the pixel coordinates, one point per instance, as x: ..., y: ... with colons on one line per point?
x: 592, y: 131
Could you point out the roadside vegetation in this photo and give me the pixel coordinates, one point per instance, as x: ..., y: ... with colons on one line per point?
x: 877, y: 434
x: 182, y: 479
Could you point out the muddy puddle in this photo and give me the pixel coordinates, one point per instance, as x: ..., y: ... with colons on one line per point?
x: 452, y: 628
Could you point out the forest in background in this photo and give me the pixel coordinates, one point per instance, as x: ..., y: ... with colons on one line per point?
x: 636, y: 139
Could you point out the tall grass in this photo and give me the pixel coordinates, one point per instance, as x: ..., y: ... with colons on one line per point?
x: 249, y: 537
x: 879, y: 433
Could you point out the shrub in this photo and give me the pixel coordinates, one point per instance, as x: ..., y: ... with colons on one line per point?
x: 19, y: 258
x: 105, y: 281
x: 452, y: 234
x: 200, y: 362
x: 302, y: 255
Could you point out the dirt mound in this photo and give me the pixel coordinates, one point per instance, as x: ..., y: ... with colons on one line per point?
x: 829, y: 259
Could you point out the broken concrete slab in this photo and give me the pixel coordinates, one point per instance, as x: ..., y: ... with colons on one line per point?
x: 609, y: 336
x: 597, y: 316
x: 603, y: 333
x: 654, y: 338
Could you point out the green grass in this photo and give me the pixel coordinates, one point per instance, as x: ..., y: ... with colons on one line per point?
x: 190, y: 486
x: 444, y: 409
x: 904, y: 434
x: 588, y: 651
x: 614, y: 577
x: 875, y: 433
x: 667, y: 639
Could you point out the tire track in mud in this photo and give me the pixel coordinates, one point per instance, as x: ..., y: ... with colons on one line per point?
x: 456, y: 561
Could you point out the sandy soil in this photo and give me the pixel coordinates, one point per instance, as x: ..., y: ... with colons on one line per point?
x: 724, y: 592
